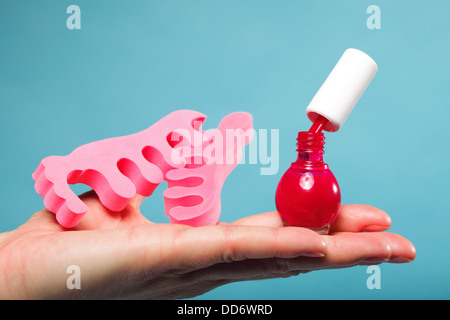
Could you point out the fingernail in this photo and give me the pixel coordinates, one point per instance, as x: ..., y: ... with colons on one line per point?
x: 399, y: 260
x: 375, y: 228
x: 375, y: 260
x: 312, y: 254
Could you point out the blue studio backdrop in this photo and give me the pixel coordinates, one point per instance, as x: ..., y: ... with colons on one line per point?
x: 126, y: 64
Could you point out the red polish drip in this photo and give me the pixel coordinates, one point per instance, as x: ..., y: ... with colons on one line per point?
x: 308, y: 194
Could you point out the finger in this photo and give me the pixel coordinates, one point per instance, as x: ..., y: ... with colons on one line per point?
x: 183, y: 248
x: 137, y: 200
x: 267, y: 219
x: 349, y: 249
x: 100, y: 217
x: 351, y: 218
x: 402, y: 250
x: 357, y: 218
x: 247, y: 270
x: 201, y: 247
x: 343, y: 250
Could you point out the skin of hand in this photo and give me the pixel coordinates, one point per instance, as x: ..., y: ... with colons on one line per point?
x: 125, y: 256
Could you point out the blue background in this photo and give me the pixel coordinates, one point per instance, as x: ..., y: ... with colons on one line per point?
x: 133, y: 62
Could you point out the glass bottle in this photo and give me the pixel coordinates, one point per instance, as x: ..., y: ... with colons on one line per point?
x: 308, y: 194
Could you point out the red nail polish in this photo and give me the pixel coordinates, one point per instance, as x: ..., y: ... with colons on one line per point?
x: 308, y: 194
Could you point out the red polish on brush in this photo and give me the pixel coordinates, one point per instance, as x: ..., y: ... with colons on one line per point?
x: 308, y: 194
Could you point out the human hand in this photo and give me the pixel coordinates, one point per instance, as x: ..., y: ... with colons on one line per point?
x: 123, y: 255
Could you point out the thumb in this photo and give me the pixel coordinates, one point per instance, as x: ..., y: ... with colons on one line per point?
x: 100, y: 217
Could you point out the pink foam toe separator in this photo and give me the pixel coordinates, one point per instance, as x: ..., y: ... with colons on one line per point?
x: 193, y: 194
x: 116, y: 168
x: 195, y: 164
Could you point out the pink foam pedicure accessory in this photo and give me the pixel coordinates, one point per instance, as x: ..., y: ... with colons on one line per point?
x: 193, y: 194
x: 118, y: 168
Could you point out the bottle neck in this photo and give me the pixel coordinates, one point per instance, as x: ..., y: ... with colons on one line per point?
x: 310, y: 149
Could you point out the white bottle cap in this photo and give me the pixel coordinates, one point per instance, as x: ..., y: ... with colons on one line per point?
x: 342, y: 89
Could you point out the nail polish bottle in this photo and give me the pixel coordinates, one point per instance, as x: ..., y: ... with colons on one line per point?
x: 308, y: 193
